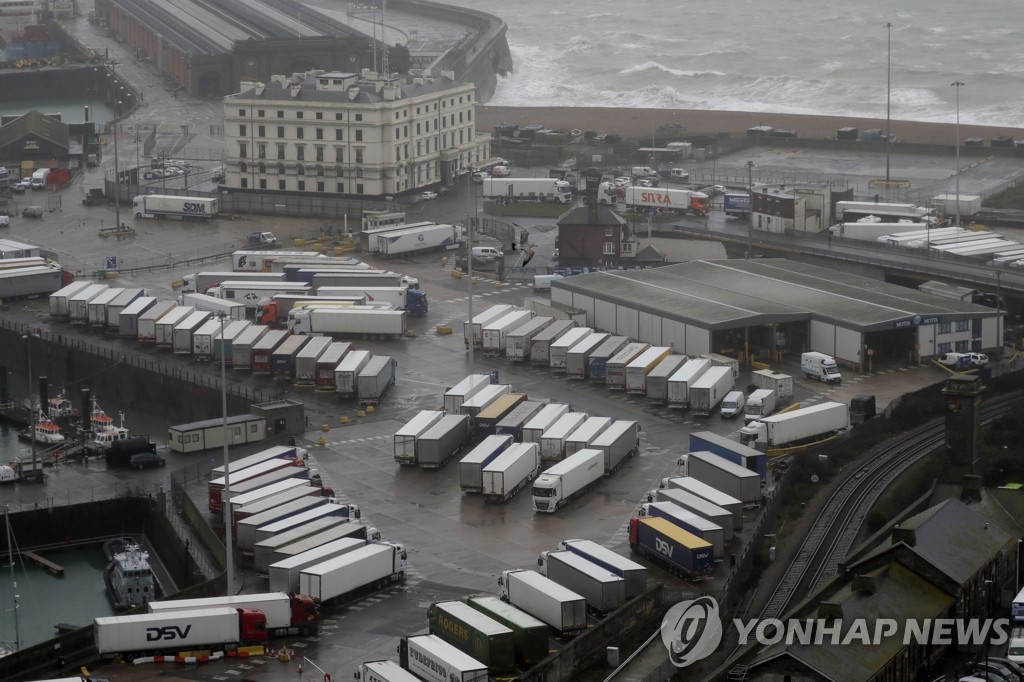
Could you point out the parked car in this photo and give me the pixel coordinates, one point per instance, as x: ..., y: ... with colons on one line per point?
x: 146, y: 460
x: 152, y: 174
x: 978, y: 359
x: 429, y: 196
x: 32, y: 212
x: 21, y: 185
x: 955, y: 360
x: 5, y: 221
x: 624, y: 181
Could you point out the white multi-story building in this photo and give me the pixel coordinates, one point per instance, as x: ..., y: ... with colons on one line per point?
x: 355, y: 134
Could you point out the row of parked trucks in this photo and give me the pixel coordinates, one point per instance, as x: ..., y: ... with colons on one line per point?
x: 31, y: 276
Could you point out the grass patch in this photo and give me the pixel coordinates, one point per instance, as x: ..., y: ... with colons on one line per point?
x: 912, y: 484
x: 1008, y: 198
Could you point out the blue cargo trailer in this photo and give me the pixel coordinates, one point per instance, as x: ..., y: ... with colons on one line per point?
x: 737, y: 453
x: 682, y: 552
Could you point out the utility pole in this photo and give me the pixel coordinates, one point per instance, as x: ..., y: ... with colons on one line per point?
x: 957, y: 85
x: 888, y: 103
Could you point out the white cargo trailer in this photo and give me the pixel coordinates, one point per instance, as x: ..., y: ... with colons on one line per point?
x: 567, y: 480
x: 241, y: 346
x: 597, y: 363
x: 97, y: 312
x: 558, y: 350
x: 548, y: 415
x: 434, y: 660
x: 472, y: 406
x: 713, y: 495
x: 790, y: 428
x: 270, y: 509
x: 375, y: 378
x: 474, y: 329
x: 731, y: 479
x: 351, y: 529
x: 364, y: 321
x: 552, y: 441
x: 383, y: 671
x: 634, y: 574
x: 543, y: 598
x: 465, y: 389
x: 709, y: 390
x: 641, y: 366
x: 59, y: 299
x: 128, y: 318
x: 166, y: 324
x: 307, y: 357
x: 688, y: 521
x: 284, y: 574
x: 78, y: 303
x: 346, y: 374
x: 577, y: 358
x: 615, y: 368
x: 719, y: 360
x: 179, y: 630
x: 585, y: 434
x: 496, y: 333
x: 406, y: 437
x: 699, y: 506
x: 603, y: 590
x: 471, y: 466
x: 540, y: 347
x: 510, y: 472
x: 657, y: 379
x: 263, y: 550
x: 199, y: 282
x: 781, y: 383
x: 123, y: 300
x: 250, y: 294
x: 186, y: 329
x: 233, y: 309
x: 202, y: 339
x: 517, y: 341
x: 442, y: 441
x: 419, y: 239
x: 620, y: 440
x: 351, y: 573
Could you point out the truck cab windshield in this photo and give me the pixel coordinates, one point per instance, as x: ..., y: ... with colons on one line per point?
x: 543, y: 492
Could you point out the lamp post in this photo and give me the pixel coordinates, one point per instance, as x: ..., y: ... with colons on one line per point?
x: 117, y: 174
x: 888, y: 101
x: 469, y: 267
x: 988, y: 610
x: 227, y: 469
x: 31, y: 406
x: 750, y: 193
x: 957, y: 85
x: 1016, y: 569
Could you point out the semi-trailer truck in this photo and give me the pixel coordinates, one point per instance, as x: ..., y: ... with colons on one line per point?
x: 383, y: 671
x: 530, y: 634
x: 475, y: 634
x: 577, y: 358
x: 633, y: 574
x: 442, y: 441
x: 485, y: 422
x: 169, y: 206
x: 707, y: 492
x: 561, y: 608
x: 798, y: 426
x: 215, y: 488
x: 405, y: 438
x: 620, y: 440
x: 527, y: 189
x: 552, y: 441
x: 413, y: 301
x: 540, y: 347
x: 434, y: 660
x: 324, y: 377
x: 688, y: 521
x: 495, y: 334
x: 603, y: 590
x: 176, y: 631
x: 615, y: 368
x: 567, y: 480
x: 263, y: 350
x: 535, y: 427
x: 709, y: 390
x: 697, y: 505
x: 657, y: 378
x: 346, y: 374
x: 584, y: 434
x: 682, y: 200
x: 233, y: 309
x: 274, y: 311
x: 287, y: 614
x: 720, y: 473
x: 598, y: 360
x: 644, y: 364
x: 760, y: 403
x: 418, y: 239
x: 509, y: 472
x: 518, y: 341
x: 463, y: 391
x: 199, y: 282
x: 471, y: 466
x: 284, y: 573
x: 364, y: 322
x: 680, y: 382
x: 682, y: 552
x: 558, y: 350
x: 366, y: 568
x: 512, y: 423
x: 473, y: 330
x: 375, y: 378
x: 737, y: 453
x: 250, y: 294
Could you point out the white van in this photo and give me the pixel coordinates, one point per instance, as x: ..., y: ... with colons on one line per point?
x: 643, y: 172
x: 733, y: 404
x: 487, y: 253
x: 39, y: 178
x: 679, y: 174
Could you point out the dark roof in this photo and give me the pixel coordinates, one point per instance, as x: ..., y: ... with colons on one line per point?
x: 595, y: 215
x: 35, y: 123
x: 368, y: 93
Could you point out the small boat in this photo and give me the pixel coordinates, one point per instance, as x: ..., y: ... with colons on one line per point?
x: 45, y: 432
x: 128, y: 577
x: 60, y: 406
x: 104, y: 433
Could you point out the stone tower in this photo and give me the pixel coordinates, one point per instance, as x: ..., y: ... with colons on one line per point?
x: 963, y: 426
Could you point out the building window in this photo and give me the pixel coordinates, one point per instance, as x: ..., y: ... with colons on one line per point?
x: 261, y: 131
x: 280, y: 132
x: 319, y: 187
x: 319, y: 115
x: 339, y: 134
x: 608, y: 248
x: 280, y: 114
x: 261, y: 113
x: 469, y: 115
x: 300, y: 133
x: 241, y: 112
x: 963, y: 325
x: 244, y: 183
x: 359, y: 189
x: 280, y: 169
x: 319, y: 153
x: 242, y: 131
x: 337, y: 116
x: 280, y: 151
x: 300, y: 152
x: 339, y: 171
x: 359, y: 135
x: 319, y: 133
x: 339, y: 154
x: 263, y: 183
x: 945, y: 327
x: 243, y: 167
x: 261, y: 150
x: 340, y: 188
x: 609, y: 231
x: 359, y: 155
x: 263, y: 169
x: 359, y: 117
x: 320, y: 171
x: 298, y: 114
x: 962, y: 346
x: 359, y: 172
x: 282, y: 185
x: 302, y: 185
x: 417, y: 128
x: 300, y: 169
x: 944, y: 348
x: 242, y: 150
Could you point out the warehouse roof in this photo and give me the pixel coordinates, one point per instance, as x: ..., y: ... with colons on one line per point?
x: 726, y: 294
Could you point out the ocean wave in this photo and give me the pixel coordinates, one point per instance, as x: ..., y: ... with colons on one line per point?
x: 655, y: 66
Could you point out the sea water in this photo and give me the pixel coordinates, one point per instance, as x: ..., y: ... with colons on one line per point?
x: 786, y: 56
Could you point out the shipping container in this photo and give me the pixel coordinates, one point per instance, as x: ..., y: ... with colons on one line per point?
x: 346, y: 374
x: 615, y: 368
x: 542, y: 421
x: 485, y: 422
x: 558, y: 350
x: 305, y: 361
x: 510, y: 472
x: 518, y: 341
x: 540, y: 347
x: 474, y: 633
x: 264, y: 348
x: 680, y: 382
x: 405, y: 438
x: 657, y: 379
x: 471, y: 466
x: 781, y: 383
x: 577, y: 359
x: 597, y: 363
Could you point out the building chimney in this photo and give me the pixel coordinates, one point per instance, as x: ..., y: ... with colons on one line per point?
x: 907, y: 536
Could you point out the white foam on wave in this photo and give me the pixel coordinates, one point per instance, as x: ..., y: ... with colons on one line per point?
x: 655, y: 66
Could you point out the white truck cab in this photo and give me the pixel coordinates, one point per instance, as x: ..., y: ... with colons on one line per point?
x: 821, y: 367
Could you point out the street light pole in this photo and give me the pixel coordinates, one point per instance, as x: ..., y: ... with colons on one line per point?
x: 469, y: 268
x: 888, y: 101
x: 117, y: 174
x: 957, y: 85
x: 32, y: 408
x: 227, y: 469
x: 750, y: 215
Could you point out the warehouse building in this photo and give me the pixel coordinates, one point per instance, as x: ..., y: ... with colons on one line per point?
x: 763, y: 307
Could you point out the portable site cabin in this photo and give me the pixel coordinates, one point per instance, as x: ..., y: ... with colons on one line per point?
x: 209, y: 433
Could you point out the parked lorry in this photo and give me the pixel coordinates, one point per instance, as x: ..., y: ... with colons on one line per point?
x: 365, y: 322
x: 561, y: 608
x: 540, y: 347
x: 552, y: 441
x: 760, y: 403
x: 517, y: 341
x: 781, y: 383
x: 242, y: 345
x: 508, y: 473
x: 176, y: 631
x: 282, y: 359
x: 603, y: 591
x: 128, y: 317
x: 442, y: 441
x: 375, y: 378
x: 224, y: 340
x: 116, y: 306
x: 419, y: 239
x: 274, y: 311
x: 737, y: 453
x: 471, y: 466
x: 542, y: 421
x: 615, y: 368
x: 383, y: 671
x: 362, y: 278
x: 530, y: 634
x: 598, y: 361
x: 558, y: 350
x: 819, y: 366
x: 78, y: 303
x: 463, y: 391
x: 413, y: 301
x: 709, y: 390
x: 271, y: 509
x: 366, y: 568
x: 147, y: 321
x: 346, y: 374
x: 186, y: 329
x: 250, y: 294
x: 215, y: 488
x: 58, y: 301
x: 737, y: 205
x: 582, y: 436
x: 168, y: 206
x: 657, y: 378
x: 796, y: 427
x: 164, y: 327
x: 696, y: 505
x: 682, y: 552
x: 496, y: 333
x: 432, y: 659
x: 474, y: 328
x: 200, y: 282
x: 577, y: 358
x: 233, y: 309
x: 96, y: 315
x: 641, y: 366
x: 634, y: 575
x: 707, y: 492
x: 567, y: 480
x: 720, y: 473
x: 262, y: 551
x: 327, y: 365
x: 485, y: 422
x: 264, y: 349
x: 474, y: 633
x: 512, y: 423
x: 263, y: 261
x: 287, y: 614
x: 681, y: 200
x: 479, y: 401
x: 719, y: 360
x: 202, y: 339
x: 284, y: 573
x: 620, y: 440
x: 527, y: 189
x: 688, y: 521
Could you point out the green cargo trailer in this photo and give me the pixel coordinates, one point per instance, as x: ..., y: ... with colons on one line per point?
x: 475, y: 634
x: 531, y: 634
